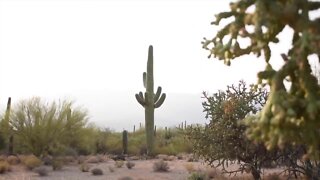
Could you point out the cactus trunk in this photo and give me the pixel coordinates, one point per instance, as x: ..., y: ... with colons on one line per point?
x: 125, y: 142
x: 150, y: 101
x: 7, y: 130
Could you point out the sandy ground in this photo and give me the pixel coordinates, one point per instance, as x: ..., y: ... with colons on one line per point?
x: 143, y: 170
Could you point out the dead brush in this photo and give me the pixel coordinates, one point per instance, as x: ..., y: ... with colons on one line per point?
x: 161, y: 166
x: 189, y: 167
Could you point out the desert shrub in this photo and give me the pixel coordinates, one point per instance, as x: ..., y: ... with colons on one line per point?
x: 69, y: 151
x: 96, y: 172
x: 114, y: 143
x: 57, y: 164
x: 102, y: 158
x: 118, y: 164
x: 81, y: 159
x: 4, y: 167
x: 68, y: 159
x: 168, y: 149
x: 84, y: 167
x: 42, y: 171
x: 160, y: 166
x: 13, y: 160
x: 92, y: 159
x: 199, y: 175
x: 224, y: 137
x: 32, y: 162
x: 47, y: 160
x: 111, y: 169
x: 126, y: 178
x: 130, y: 164
x: 214, y: 173
x: 3, y: 158
x: 274, y: 176
x: 43, y: 127
x: 189, y: 167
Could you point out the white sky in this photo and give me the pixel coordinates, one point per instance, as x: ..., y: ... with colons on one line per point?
x: 95, y: 52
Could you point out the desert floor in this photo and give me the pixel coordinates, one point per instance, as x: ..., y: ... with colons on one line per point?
x: 143, y: 170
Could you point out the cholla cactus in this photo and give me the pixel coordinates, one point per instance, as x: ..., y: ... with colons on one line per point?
x: 150, y: 100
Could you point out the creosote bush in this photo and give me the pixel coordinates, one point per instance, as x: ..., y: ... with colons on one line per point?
x: 161, y: 166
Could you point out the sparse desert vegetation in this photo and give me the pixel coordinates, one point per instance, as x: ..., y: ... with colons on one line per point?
x: 265, y: 130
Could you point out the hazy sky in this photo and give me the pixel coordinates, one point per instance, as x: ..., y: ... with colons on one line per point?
x: 95, y: 51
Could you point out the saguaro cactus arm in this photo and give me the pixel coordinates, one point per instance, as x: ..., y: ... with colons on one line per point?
x: 140, y: 99
x: 160, y: 101
x: 144, y: 78
x: 157, y: 95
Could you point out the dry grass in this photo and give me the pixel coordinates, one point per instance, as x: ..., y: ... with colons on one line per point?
x: 4, y: 167
x: 13, y: 160
x: 189, y: 167
x: 118, y: 164
x: 32, y: 162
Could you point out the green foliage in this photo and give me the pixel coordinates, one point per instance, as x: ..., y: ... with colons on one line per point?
x: 114, y: 143
x: 223, y: 139
x: 150, y: 101
x: 198, y: 175
x: 42, y: 127
x: 171, y: 146
x: 291, y: 114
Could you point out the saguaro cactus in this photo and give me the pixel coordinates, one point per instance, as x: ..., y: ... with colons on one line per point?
x: 7, y: 130
x: 125, y: 142
x: 150, y: 100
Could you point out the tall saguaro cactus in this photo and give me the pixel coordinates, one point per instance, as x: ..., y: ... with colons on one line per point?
x: 150, y: 100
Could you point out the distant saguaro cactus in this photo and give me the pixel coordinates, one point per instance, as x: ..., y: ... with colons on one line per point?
x: 150, y: 100
x: 125, y: 142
